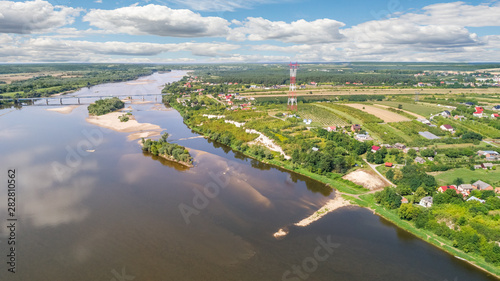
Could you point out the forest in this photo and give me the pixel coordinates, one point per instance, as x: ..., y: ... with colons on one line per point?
x: 170, y: 151
x: 105, y: 106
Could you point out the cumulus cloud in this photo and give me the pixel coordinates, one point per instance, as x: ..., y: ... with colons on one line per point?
x: 458, y: 13
x: 220, y: 5
x: 34, y: 16
x: 301, y: 31
x: 52, y: 49
x: 157, y: 20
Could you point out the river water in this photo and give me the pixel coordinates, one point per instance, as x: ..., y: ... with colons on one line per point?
x: 118, y: 214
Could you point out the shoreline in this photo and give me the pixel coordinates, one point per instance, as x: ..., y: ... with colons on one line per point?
x: 137, y: 130
x: 364, y: 204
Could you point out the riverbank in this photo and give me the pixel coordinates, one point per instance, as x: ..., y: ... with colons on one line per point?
x: 356, y: 196
x: 64, y: 110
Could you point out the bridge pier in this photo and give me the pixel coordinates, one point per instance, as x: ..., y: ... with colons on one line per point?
x: 60, y: 100
x: 78, y: 100
x: 47, y: 101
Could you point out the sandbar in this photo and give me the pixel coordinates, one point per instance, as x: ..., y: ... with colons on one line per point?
x: 64, y: 110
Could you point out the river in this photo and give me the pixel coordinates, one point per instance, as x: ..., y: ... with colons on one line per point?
x: 118, y: 214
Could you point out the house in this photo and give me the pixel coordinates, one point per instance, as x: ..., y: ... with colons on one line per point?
x: 479, y: 112
x: 478, y: 167
x: 388, y: 164
x: 315, y: 149
x: 443, y: 189
x: 481, y: 185
x: 465, y: 187
x: 469, y: 103
x: 419, y: 160
x: 459, y: 117
x: 362, y: 137
x: 495, y: 115
x: 424, y: 121
x: 497, y: 190
x: 331, y: 128
x: 474, y: 198
x: 375, y: 148
x: 445, y: 114
x: 404, y: 200
x: 489, y: 154
x: 426, y: 202
x: 355, y: 127
x: 448, y: 128
x: 496, y: 107
x: 487, y: 165
x: 400, y: 146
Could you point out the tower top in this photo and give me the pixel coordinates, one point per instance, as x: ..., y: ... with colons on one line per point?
x: 294, y: 65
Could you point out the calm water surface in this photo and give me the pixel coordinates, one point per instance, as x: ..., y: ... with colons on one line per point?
x: 115, y: 213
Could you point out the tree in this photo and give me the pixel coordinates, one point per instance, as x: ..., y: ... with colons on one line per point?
x: 419, y: 194
x: 409, y: 211
x: 388, y: 198
x: 458, y: 181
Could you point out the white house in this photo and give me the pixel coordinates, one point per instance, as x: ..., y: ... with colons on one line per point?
x: 448, y: 128
x: 426, y: 202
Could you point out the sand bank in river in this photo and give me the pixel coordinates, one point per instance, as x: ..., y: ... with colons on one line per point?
x: 64, y: 110
x: 111, y: 121
x: 330, y: 206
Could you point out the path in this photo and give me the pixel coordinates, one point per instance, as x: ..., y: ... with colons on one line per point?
x: 373, y: 166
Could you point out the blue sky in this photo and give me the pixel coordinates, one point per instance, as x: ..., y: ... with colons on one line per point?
x: 163, y: 31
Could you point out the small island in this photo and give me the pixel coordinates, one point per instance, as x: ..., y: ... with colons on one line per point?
x: 105, y: 106
x: 170, y: 151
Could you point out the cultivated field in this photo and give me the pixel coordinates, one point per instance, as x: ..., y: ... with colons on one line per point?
x: 417, y: 108
x: 321, y: 117
x: 383, y: 114
x: 414, y: 114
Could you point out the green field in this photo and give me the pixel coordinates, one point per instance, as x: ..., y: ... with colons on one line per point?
x: 424, y: 110
x: 492, y: 176
x: 321, y: 117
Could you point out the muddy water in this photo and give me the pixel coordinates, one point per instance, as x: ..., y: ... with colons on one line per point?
x: 119, y: 214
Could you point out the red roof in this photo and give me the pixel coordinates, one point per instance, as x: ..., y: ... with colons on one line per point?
x: 448, y: 127
x: 479, y: 109
x: 446, y: 187
x: 496, y: 115
x: 388, y: 164
x: 375, y: 147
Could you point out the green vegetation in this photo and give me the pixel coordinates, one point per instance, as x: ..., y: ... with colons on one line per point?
x: 468, y: 176
x: 322, y: 117
x: 48, y: 79
x: 356, y: 113
x: 105, y: 106
x: 170, y: 151
x: 411, y: 106
x: 124, y: 117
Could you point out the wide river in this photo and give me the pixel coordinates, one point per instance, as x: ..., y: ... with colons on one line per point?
x: 118, y: 214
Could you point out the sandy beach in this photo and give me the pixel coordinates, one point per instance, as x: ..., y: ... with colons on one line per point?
x: 64, y: 110
x: 138, y: 130
x: 330, y: 206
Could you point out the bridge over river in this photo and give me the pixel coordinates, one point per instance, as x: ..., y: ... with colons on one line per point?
x: 75, y: 100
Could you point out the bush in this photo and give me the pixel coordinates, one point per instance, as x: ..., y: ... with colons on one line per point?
x: 105, y: 106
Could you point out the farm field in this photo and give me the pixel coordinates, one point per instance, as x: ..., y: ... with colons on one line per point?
x: 411, y: 113
x: 383, y: 114
x: 490, y: 176
x: 420, y: 109
x: 322, y: 117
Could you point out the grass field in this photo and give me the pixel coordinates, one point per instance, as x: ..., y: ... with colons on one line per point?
x: 321, y: 117
x: 381, y: 113
x: 489, y: 176
x: 424, y: 110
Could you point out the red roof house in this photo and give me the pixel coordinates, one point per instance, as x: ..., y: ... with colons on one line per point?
x: 375, y: 148
x: 388, y: 164
x: 443, y: 189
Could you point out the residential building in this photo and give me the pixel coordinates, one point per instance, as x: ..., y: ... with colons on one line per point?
x: 478, y: 167
x: 495, y: 115
x: 487, y: 165
x: 426, y: 202
x: 399, y: 146
x: 355, y: 127
x: 443, y: 189
x: 331, y: 128
x: 404, y: 200
x: 388, y: 164
x: 445, y: 113
x: 448, y: 128
x: 474, y: 198
x: 419, y: 160
x: 481, y: 185
x: 496, y: 107
x: 375, y: 148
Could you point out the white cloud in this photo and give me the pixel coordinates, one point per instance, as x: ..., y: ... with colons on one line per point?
x: 157, y: 20
x: 51, y: 49
x: 458, y: 13
x: 301, y: 31
x: 220, y: 5
x: 34, y: 16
